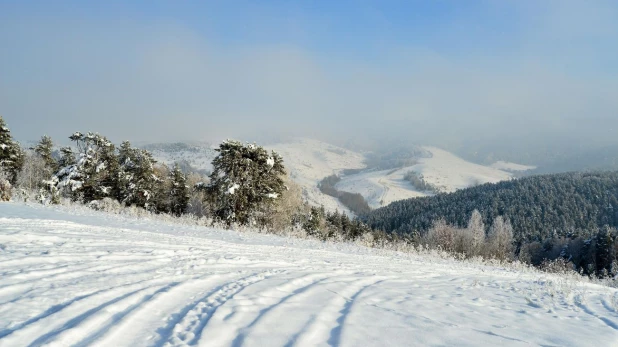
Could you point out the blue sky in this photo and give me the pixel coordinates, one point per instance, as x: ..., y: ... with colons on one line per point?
x: 435, y: 70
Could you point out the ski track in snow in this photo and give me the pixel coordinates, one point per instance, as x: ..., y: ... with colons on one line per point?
x: 81, y: 278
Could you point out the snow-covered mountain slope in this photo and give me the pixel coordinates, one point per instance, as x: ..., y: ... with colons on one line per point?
x: 79, y: 277
x: 443, y: 170
x: 449, y: 172
x: 309, y: 161
x: 380, y: 188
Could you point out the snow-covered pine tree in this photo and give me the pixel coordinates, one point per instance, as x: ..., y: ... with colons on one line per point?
x: 605, y: 251
x: 44, y: 149
x: 65, y: 181
x: 245, y: 179
x: 126, y: 186
x: 11, y: 155
x: 180, y: 191
x: 136, y: 177
x: 314, y: 223
x: 94, y: 175
x: 67, y: 157
x: 162, y: 199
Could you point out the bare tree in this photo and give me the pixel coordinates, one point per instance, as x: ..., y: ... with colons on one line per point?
x: 33, y: 173
x: 198, y: 204
x: 287, y: 206
x: 441, y: 235
x: 500, y: 239
x: 476, y: 230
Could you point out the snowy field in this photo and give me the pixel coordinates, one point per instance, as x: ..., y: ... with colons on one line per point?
x: 87, y: 278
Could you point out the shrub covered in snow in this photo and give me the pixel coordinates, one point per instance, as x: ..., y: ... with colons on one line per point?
x: 472, y: 241
x: 106, y: 204
x: 5, y: 187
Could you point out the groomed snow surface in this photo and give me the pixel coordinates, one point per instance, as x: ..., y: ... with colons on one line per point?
x: 77, y: 277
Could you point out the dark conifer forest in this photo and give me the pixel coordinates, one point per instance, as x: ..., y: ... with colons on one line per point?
x: 538, y: 207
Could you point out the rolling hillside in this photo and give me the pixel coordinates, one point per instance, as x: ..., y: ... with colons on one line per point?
x: 308, y: 161
x: 442, y: 169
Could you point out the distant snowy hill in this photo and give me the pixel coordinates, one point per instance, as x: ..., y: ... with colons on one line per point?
x: 83, y: 278
x: 443, y: 170
x: 309, y: 161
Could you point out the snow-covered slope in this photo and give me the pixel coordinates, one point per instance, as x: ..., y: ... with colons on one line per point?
x: 449, y: 172
x: 443, y: 170
x: 309, y: 161
x: 380, y: 188
x: 86, y: 278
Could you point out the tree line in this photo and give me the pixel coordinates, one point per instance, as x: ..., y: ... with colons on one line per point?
x: 248, y: 185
